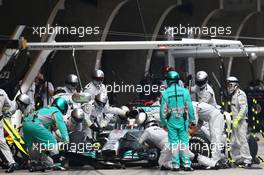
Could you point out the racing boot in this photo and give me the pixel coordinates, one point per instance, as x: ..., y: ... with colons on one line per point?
x: 218, y: 165
x: 175, y: 168
x: 4, y: 165
x: 163, y: 168
x: 57, y: 163
x: 188, y: 169
x: 246, y: 165
x: 255, y: 160
x: 12, y: 168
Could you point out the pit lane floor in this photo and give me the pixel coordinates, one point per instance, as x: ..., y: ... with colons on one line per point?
x: 141, y: 171
x: 154, y: 171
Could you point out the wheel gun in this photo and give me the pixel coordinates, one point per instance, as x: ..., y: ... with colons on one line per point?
x: 168, y: 115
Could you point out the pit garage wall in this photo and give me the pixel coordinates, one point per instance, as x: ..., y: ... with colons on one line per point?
x: 233, y: 16
x: 29, y: 13
x: 195, y: 16
x: 125, y: 66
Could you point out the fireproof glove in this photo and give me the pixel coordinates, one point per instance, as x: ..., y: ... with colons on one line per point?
x: 236, y: 121
x: 94, y: 127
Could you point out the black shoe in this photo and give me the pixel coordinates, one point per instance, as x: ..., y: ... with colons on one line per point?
x: 223, y: 164
x: 163, y: 168
x: 12, y: 168
x: 175, y: 169
x: 218, y: 166
x: 188, y: 169
x: 59, y: 168
x: 247, y: 165
x: 5, y: 165
x: 255, y: 160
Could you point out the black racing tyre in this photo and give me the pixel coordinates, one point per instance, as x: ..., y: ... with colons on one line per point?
x: 199, y: 144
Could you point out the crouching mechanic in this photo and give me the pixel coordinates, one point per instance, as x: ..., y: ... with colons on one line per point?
x: 75, y: 122
x: 67, y: 91
x: 239, y: 108
x: 38, y: 128
x: 205, y: 112
x: 71, y: 103
x: 176, y: 111
x: 153, y: 134
x: 157, y: 136
x: 98, y: 114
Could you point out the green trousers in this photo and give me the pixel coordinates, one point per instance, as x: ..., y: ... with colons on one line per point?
x: 179, y: 141
x: 35, y: 132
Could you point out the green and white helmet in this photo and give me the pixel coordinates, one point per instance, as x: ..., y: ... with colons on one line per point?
x: 172, y: 77
x: 61, y: 104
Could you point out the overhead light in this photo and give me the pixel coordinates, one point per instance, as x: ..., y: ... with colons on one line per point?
x: 252, y: 57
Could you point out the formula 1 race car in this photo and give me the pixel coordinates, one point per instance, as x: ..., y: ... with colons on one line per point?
x: 114, y: 147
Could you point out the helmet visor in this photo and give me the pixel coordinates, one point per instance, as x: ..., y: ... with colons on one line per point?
x: 100, y: 104
x: 98, y: 79
x: 200, y: 83
x: 77, y: 120
x: 22, y: 106
x: 72, y: 84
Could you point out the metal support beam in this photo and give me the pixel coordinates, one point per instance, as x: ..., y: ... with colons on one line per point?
x: 196, y: 48
x: 53, y: 14
x: 156, y: 31
x: 225, y: 52
x: 239, y: 30
x: 106, y: 30
x: 262, y: 71
x: 34, y: 69
x: 259, y: 5
x: 191, y: 60
x: 136, y: 45
x: 221, y: 2
x: 7, y: 53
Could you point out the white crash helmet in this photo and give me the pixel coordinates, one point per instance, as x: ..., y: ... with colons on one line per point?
x: 232, y: 84
x: 77, y: 115
x: 141, y: 118
x: 71, y: 81
x: 22, y: 101
x: 101, y: 99
x: 201, y: 79
x: 98, y: 77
